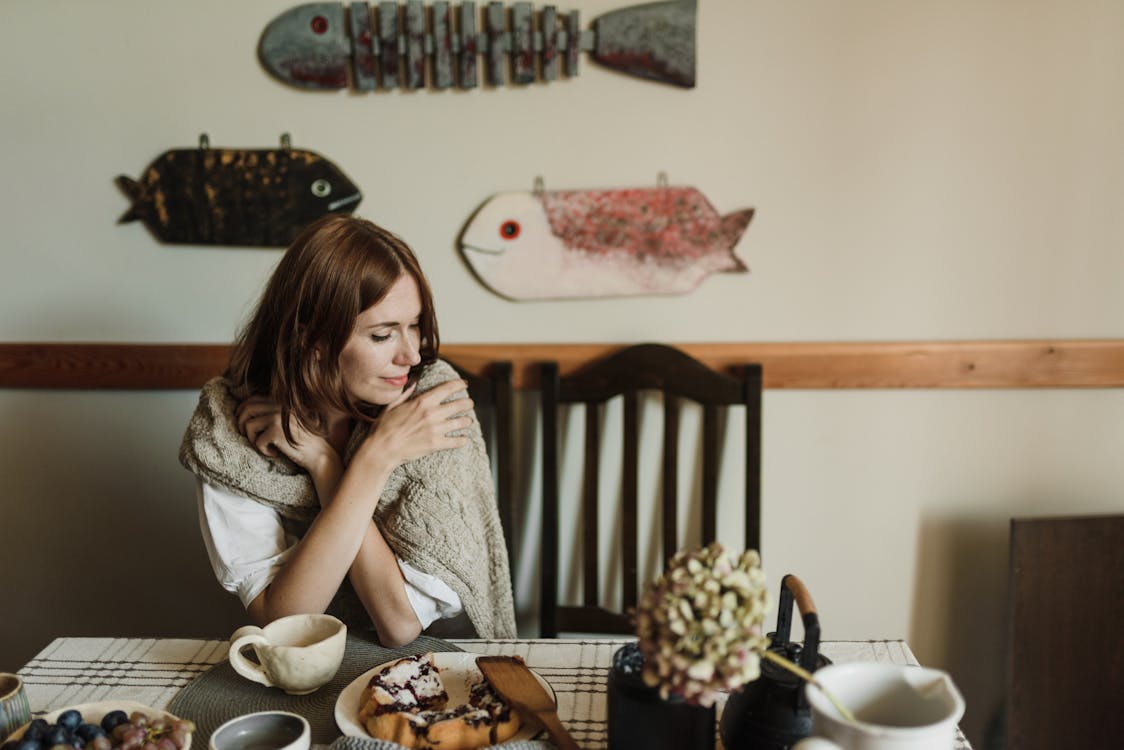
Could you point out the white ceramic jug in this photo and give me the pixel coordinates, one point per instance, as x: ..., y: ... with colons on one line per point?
x: 895, y: 707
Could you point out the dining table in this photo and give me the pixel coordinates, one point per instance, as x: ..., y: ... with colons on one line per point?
x: 163, y: 673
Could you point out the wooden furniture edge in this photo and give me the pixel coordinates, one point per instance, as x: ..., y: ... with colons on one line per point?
x: 1063, y: 363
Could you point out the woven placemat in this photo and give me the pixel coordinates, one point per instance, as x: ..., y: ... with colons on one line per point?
x: 220, y: 693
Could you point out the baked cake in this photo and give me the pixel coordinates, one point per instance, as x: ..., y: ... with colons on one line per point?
x: 406, y: 702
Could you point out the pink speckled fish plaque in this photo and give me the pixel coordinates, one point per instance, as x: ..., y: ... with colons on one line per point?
x: 601, y: 243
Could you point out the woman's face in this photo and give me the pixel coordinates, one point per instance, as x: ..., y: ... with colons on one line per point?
x: 376, y: 360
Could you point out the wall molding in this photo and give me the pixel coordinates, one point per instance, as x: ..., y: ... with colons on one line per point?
x: 1063, y: 363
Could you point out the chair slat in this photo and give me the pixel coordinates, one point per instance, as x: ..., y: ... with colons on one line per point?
x: 549, y: 567
x: 630, y: 468
x: 670, y: 477
x: 751, y: 384
x: 590, y: 489
x: 710, y: 474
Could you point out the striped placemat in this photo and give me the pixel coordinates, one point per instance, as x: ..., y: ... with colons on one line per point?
x: 220, y: 693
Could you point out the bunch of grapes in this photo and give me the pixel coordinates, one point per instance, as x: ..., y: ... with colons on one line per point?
x: 116, y: 731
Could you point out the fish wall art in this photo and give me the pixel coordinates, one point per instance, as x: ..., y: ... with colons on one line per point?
x: 600, y: 243
x: 387, y: 45
x: 223, y: 196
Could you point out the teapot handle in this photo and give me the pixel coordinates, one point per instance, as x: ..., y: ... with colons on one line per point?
x: 793, y: 591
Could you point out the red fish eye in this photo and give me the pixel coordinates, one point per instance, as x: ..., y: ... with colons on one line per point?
x: 509, y: 230
x: 319, y: 24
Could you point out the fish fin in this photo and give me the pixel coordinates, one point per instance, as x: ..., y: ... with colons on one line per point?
x: 134, y: 191
x: 733, y: 226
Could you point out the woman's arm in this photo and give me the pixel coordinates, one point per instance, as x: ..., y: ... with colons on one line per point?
x: 343, y: 539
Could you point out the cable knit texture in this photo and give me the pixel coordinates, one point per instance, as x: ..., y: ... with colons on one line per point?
x: 437, y: 513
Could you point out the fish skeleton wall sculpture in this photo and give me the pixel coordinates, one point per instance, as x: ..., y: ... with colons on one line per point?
x: 236, y: 196
x: 384, y: 44
x: 597, y: 243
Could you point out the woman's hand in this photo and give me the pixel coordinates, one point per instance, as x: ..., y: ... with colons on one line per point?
x: 259, y: 420
x: 410, y: 428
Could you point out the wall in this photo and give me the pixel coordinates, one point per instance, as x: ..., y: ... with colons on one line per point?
x: 923, y: 170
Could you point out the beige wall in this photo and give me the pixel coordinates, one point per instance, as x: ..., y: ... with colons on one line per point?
x: 921, y: 170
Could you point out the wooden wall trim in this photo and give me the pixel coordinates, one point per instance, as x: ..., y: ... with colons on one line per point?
x: 1066, y: 363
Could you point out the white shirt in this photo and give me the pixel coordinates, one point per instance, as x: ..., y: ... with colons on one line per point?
x: 247, y: 545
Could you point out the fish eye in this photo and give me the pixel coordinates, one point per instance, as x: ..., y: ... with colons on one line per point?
x: 509, y: 230
x: 319, y: 25
x: 321, y: 188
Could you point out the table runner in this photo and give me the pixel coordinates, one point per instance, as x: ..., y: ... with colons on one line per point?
x: 151, y: 671
x: 220, y: 693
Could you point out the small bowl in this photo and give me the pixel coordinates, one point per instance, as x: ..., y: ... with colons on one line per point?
x: 264, y: 730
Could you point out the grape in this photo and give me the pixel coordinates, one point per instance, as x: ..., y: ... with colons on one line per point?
x: 112, y: 719
x: 132, y: 739
x: 36, y: 729
x: 88, y: 731
x: 69, y: 720
x: 28, y: 744
x: 56, y: 735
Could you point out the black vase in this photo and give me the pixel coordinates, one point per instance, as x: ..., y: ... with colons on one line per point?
x: 640, y: 718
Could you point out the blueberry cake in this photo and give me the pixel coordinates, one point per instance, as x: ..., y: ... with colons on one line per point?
x: 406, y: 702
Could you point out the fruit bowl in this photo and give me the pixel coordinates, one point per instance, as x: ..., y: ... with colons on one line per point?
x: 93, y: 713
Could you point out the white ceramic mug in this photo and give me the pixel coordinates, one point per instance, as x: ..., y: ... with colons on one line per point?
x: 298, y: 653
x: 895, y: 707
x: 264, y: 730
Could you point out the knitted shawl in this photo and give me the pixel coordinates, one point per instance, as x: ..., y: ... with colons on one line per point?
x: 437, y: 513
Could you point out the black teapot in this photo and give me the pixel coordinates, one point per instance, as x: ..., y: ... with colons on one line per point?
x: 771, y: 713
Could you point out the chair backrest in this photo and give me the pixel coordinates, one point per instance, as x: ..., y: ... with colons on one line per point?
x: 491, y: 392
x: 1066, y: 657
x: 645, y: 367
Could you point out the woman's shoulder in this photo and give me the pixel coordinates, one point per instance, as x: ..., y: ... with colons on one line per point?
x: 435, y: 373
x: 215, y: 451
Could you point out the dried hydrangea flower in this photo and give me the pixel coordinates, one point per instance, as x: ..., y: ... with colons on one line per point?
x: 700, y: 624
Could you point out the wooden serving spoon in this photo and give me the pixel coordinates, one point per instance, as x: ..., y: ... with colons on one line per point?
x: 517, y: 685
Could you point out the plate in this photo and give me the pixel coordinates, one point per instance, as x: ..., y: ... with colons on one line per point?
x: 93, y: 713
x: 458, y: 673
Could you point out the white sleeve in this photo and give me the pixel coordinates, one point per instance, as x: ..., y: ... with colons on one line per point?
x: 430, y: 597
x: 247, y: 545
x: 245, y: 540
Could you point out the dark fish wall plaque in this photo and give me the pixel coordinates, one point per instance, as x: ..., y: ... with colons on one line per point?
x: 225, y: 196
x: 387, y: 45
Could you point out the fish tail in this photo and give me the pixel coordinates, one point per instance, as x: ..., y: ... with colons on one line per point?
x: 733, y: 226
x: 134, y: 191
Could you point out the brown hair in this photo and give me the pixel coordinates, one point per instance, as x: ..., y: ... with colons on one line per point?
x: 289, y: 349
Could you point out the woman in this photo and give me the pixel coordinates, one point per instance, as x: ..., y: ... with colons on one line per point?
x: 340, y: 465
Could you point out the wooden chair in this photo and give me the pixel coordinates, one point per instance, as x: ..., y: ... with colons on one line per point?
x: 1066, y: 658
x: 492, y: 391
x: 646, y: 367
